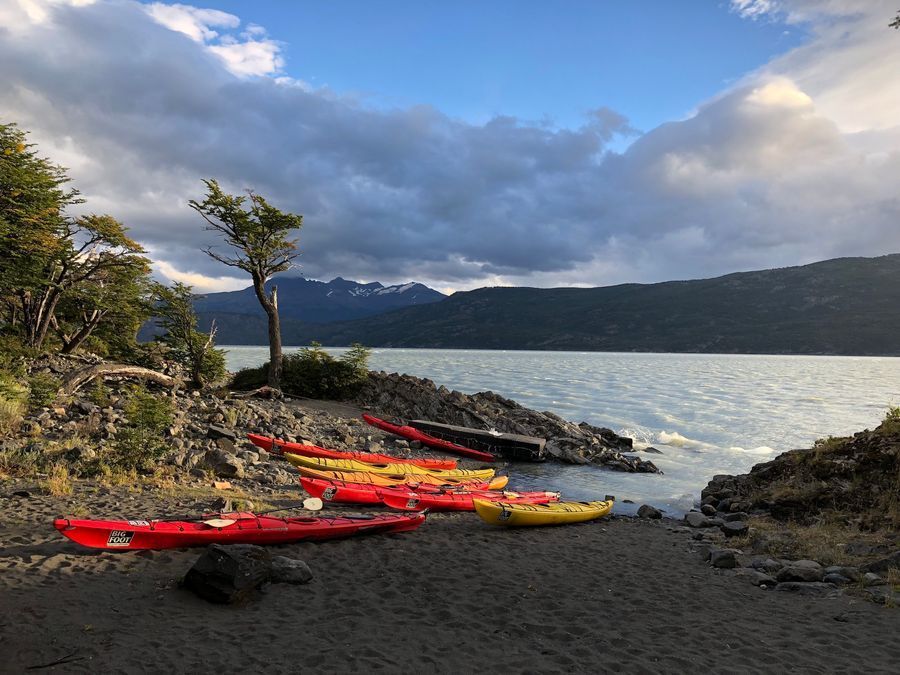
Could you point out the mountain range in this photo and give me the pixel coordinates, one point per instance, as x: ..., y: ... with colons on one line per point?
x: 841, y: 306
x: 320, y: 302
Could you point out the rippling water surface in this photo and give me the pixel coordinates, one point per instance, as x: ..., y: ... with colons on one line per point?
x: 708, y: 414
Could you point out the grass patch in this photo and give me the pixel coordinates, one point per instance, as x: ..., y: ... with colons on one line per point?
x: 58, y: 482
x: 823, y: 540
x: 42, y: 390
x: 13, y: 403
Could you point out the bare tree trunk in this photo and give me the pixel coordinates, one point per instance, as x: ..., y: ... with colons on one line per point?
x: 73, y: 343
x: 270, y: 305
x: 82, y: 376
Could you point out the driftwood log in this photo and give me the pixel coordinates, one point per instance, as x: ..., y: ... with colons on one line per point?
x: 263, y: 392
x: 77, y: 378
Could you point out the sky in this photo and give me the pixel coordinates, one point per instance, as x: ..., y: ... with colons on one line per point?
x: 474, y: 144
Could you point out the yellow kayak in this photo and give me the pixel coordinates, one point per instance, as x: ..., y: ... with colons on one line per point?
x: 381, y: 479
x: 324, y: 464
x: 559, y: 513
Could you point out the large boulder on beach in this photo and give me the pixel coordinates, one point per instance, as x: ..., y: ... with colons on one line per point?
x: 229, y: 574
x: 801, y: 570
x: 647, y: 511
x: 697, y: 519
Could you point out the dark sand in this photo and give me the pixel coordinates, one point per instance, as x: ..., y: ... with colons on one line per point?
x: 455, y: 596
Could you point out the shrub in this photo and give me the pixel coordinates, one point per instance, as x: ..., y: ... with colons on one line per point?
x: 14, y: 354
x: 58, y: 482
x: 140, y: 444
x: 13, y: 396
x: 99, y: 395
x: 251, y: 378
x: 314, y: 373
x: 43, y: 388
x: 891, y: 423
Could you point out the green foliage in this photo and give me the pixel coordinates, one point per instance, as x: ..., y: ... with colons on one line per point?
x: 11, y: 389
x: 891, y: 423
x: 258, y: 235
x: 14, y: 354
x: 140, y: 444
x: 191, y: 348
x: 212, y: 366
x: 250, y: 378
x: 13, y: 398
x: 99, y: 394
x: 43, y: 388
x: 57, y: 270
x: 314, y: 373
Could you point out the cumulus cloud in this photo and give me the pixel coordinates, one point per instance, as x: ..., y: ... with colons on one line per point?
x: 787, y: 166
x: 253, y: 54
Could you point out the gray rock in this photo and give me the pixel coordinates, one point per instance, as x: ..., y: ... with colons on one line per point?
x: 708, y: 510
x: 224, y: 464
x: 651, y: 450
x: 861, y: 548
x: 756, y: 577
x: 290, y: 571
x: 249, y: 456
x: 647, y: 511
x: 226, y: 445
x: 882, y: 595
x: 722, y: 558
x: 807, y: 571
x: 851, y: 573
x: 735, y: 528
x: 215, y: 431
x: 836, y: 579
x: 229, y: 574
x: 871, y: 579
x: 696, y: 519
x: 85, y: 407
x: 806, y: 588
x: 883, y: 565
x: 737, y: 515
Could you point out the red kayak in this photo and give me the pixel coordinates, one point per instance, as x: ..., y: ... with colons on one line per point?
x: 413, y: 434
x: 226, y: 528
x: 458, y: 500
x: 278, y: 446
x: 343, y: 492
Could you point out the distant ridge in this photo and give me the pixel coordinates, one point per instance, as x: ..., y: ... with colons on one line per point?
x: 321, y: 302
x: 841, y: 306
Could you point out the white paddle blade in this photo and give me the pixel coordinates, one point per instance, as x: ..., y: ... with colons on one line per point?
x: 312, y: 504
x: 219, y: 522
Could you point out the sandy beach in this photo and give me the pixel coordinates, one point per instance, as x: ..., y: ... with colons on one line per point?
x: 618, y: 595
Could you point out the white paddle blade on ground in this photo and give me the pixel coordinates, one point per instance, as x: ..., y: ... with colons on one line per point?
x: 312, y: 504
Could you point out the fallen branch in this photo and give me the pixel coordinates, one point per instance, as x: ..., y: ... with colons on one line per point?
x: 66, y: 659
x: 263, y: 392
x: 76, y: 379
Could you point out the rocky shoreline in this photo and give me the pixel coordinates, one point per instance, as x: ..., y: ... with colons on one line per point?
x: 208, y: 430
x: 206, y: 443
x: 837, y: 503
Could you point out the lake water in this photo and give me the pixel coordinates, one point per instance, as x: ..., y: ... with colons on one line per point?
x: 708, y: 414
